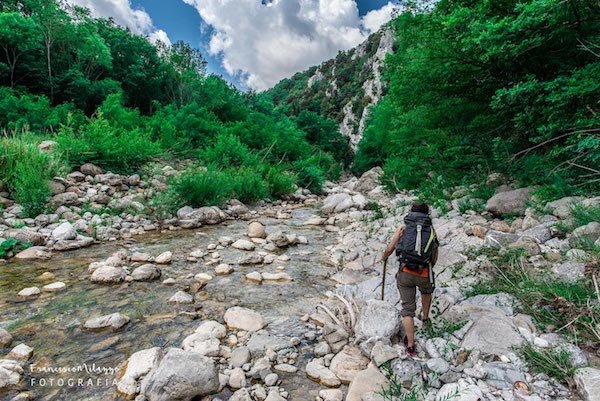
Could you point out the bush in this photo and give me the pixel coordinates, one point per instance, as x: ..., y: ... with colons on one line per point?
x: 202, y: 188
x: 11, y: 245
x: 555, y: 363
x: 26, y: 172
x: 309, y: 175
x: 279, y: 181
x: 114, y: 148
x: 248, y: 185
x: 228, y: 151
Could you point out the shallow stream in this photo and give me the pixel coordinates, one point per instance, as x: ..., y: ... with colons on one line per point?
x: 51, y: 324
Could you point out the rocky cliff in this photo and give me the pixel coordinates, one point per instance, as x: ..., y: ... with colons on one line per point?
x: 342, y: 88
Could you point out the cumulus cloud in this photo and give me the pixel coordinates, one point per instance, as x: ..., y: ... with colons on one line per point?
x: 137, y: 20
x: 264, y: 43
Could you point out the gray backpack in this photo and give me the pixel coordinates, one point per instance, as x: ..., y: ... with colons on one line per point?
x: 418, y: 243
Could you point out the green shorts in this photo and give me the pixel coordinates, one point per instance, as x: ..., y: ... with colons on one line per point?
x: 407, y: 285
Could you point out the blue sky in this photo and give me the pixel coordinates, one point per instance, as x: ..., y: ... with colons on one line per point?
x: 249, y: 42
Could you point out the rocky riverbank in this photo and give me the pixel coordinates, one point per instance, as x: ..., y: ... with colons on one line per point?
x: 346, y: 342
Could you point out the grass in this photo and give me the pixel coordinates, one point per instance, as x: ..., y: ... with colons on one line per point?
x: 12, y: 246
x: 580, y: 216
x: 555, y: 363
x: 439, y: 327
x: 569, y: 308
x: 395, y: 391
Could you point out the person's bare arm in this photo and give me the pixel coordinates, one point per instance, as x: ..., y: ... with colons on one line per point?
x: 392, y: 246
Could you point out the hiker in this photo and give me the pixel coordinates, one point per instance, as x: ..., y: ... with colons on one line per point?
x: 416, y: 246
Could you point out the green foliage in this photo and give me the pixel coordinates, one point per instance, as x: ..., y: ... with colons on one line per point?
x: 440, y: 327
x: 280, y: 182
x: 396, y: 390
x: 26, y: 172
x: 228, y: 151
x: 555, y: 363
x: 309, y: 175
x: 248, y: 185
x: 113, y: 141
x: 12, y: 245
x: 479, y: 86
x: 198, y: 188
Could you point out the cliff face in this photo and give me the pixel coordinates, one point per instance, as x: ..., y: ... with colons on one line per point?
x: 342, y: 88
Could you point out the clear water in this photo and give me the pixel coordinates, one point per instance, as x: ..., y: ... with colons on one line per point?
x: 51, y: 324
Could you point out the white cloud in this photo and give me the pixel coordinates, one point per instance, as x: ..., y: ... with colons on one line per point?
x: 265, y: 43
x: 374, y: 19
x: 137, y: 20
x: 159, y: 36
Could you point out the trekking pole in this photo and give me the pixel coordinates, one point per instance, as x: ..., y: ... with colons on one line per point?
x: 383, y: 280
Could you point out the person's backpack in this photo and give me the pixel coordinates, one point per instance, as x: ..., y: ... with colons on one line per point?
x: 418, y: 243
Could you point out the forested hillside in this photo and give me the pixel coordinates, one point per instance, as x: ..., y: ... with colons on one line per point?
x: 341, y: 89
x: 112, y: 98
x: 475, y: 87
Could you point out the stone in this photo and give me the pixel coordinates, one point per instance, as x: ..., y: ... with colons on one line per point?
x: 377, y: 319
x: 223, y: 269
x: 588, y: 233
x: 182, y: 376
x: 337, y: 203
x: 331, y: 394
x: 461, y: 391
x: 348, y: 363
x: 493, y: 334
x: 382, y: 353
x: 55, y: 287
x: 147, y: 272
x: 253, y: 259
x: 256, y: 230
x: 211, y: 329
x: 64, y: 199
x: 285, y: 368
x: 181, y: 297
x: 47, y: 146
x: 587, y: 381
x: 563, y: 208
x: 203, y: 277
x: 202, y: 345
x: 35, y: 252
x: 26, y: 235
x: 46, y: 276
x: 11, y: 373
x: 20, y: 353
x: 370, y: 380
x: 321, y: 374
x: 164, y: 258
x: 254, y: 276
x: 140, y: 257
x: 322, y: 349
x: 244, y: 319
x: 242, y: 394
x: 5, y: 338
x: 509, y: 202
x: 138, y: 365
x: 205, y: 215
x: 279, y: 239
x: 29, y: 292
x: 438, y: 365
x: 244, y: 245
x: 113, y: 321
x: 237, y: 379
x: 569, y: 272
x: 369, y: 180
x: 262, y: 341
x: 239, y: 357
x: 276, y: 276
x: 108, y: 274
x: 271, y: 379
x: 90, y: 169
x: 67, y: 245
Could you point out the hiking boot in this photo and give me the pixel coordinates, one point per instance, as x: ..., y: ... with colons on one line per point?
x: 411, y: 351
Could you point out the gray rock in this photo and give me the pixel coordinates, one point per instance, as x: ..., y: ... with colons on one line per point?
x: 239, y: 357
x: 438, y: 365
x: 461, y: 391
x: 588, y: 233
x: 588, y: 383
x: 256, y: 230
x: 181, y: 376
x: 563, y: 207
x: 147, y: 272
x: 35, y: 252
x: 348, y: 363
x: 261, y: 341
x: 569, y: 271
x: 64, y: 199
x: 90, y: 169
x: 502, y: 375
x: 382, y: 353
x: 244, y: 319
x: 369, y: 180
x: 181, y: 297
x: 377, y: 319
x: 113, y: 321
x: 204, y: 215
x: 5, y: 338
x: 138, y: 365
x: 509, y: 202
x: 26, y: 235
x: 77, y: 243
x: 108, y: 274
